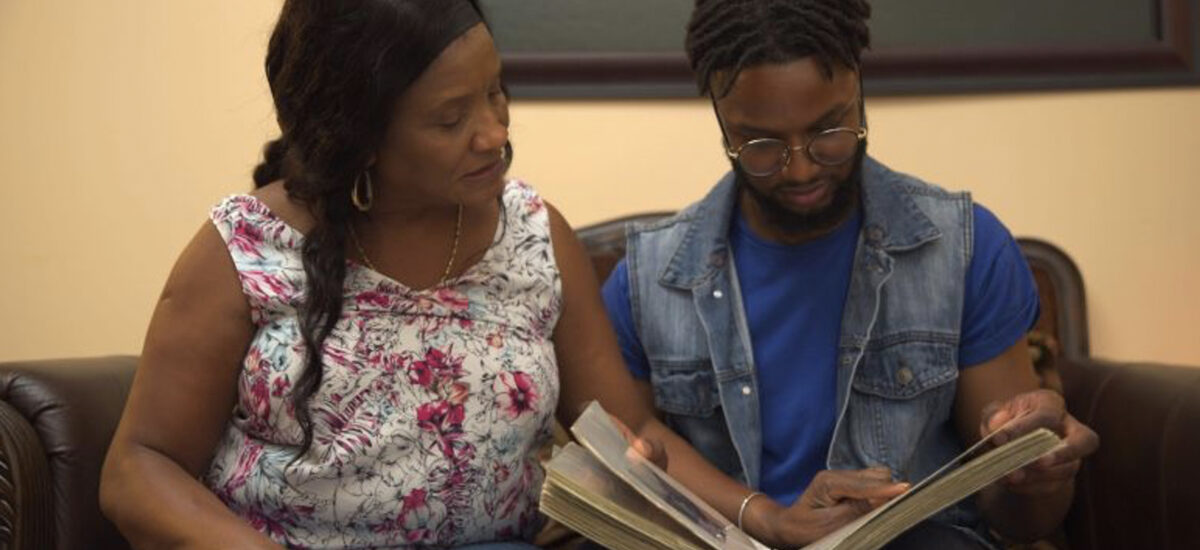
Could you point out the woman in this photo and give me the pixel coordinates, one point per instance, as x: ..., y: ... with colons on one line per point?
x: 368, y: 349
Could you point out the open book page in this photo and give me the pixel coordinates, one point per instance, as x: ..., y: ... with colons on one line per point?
x: 593, y: 499
x: 596, y: 431
x: 963, y: 476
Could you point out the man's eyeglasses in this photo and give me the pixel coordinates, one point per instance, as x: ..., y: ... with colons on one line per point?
x: 769, y: 156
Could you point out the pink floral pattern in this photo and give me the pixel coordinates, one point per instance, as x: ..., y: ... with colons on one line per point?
x: 432, y: 406
x: 516, y: 394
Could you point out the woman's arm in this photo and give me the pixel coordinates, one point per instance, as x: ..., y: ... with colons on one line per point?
x: 182, y: 398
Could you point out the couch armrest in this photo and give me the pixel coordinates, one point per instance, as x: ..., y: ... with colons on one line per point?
x: 72, y: 406
x: 1141, y: 489
x: 26, y: 510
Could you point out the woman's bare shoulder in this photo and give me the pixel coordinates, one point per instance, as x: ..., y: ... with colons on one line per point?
x: 293, y: 212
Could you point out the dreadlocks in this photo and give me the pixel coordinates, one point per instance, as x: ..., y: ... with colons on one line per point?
x: 726, y: 36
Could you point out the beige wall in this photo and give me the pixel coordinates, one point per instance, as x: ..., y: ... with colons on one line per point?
x: 121, y: 122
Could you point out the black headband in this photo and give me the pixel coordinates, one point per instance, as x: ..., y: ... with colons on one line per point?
x: 459, y: 17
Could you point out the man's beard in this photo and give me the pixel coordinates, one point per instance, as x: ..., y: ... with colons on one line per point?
x: 846, y: 195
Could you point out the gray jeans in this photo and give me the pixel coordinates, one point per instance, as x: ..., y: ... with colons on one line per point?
x: 931, y: 534
x: 497, y: 546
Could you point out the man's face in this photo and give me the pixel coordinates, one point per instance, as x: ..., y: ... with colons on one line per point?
x: 793, y: 102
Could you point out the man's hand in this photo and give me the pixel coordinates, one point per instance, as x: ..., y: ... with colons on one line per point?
x: 833, y: 499
x: 1027, y: 412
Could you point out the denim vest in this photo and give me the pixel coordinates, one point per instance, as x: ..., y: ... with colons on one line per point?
x: 897, y: 361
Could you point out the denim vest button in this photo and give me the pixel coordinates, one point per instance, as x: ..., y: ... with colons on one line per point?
x: 904, y: 376
x: 718, y: 294
x: 746, y: 390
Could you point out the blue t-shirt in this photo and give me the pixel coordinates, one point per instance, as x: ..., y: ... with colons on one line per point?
x: 793, y: 298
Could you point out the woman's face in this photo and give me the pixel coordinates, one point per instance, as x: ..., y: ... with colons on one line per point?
x: 445, y: 140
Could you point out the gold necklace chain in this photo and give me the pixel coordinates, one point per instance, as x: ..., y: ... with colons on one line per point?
x: 453, y: 248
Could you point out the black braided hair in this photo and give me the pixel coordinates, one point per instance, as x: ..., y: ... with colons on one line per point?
x: 726, y: 36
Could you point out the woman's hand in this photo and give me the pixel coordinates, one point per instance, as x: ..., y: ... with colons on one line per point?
x: 651, y: 449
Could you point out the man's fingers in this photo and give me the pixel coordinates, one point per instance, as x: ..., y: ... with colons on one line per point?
x: 1062, y: 455
x: 1081, y: 439
x: 835, y: 498
x: 1049, y: 473
x: 1023, y: 414
x: 992, y: 417
x: 882, y: 473
x: 1038, y: 474
x: 857, y: 485
x: 1030, y: 421
x: 1058, y: 472
x: 877, y: 502
x: 1041, y: 482
x: 1079, y: 442
x: 833, y: 517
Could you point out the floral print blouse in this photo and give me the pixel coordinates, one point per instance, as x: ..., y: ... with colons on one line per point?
x: 432, y: 405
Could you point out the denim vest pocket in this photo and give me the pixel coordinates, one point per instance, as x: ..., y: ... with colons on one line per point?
x: 684, y: 386
x: 686, y: 393
x: 902, y: 398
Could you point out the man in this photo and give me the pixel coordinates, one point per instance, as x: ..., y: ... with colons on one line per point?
x: 820, y: 326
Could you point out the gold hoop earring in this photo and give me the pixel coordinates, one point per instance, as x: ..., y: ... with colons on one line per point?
x: 363, y: 200
x: 506, y: 154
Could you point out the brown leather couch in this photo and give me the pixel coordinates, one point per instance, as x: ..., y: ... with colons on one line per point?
x: 1141, y: 490
x: 56, y: 419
